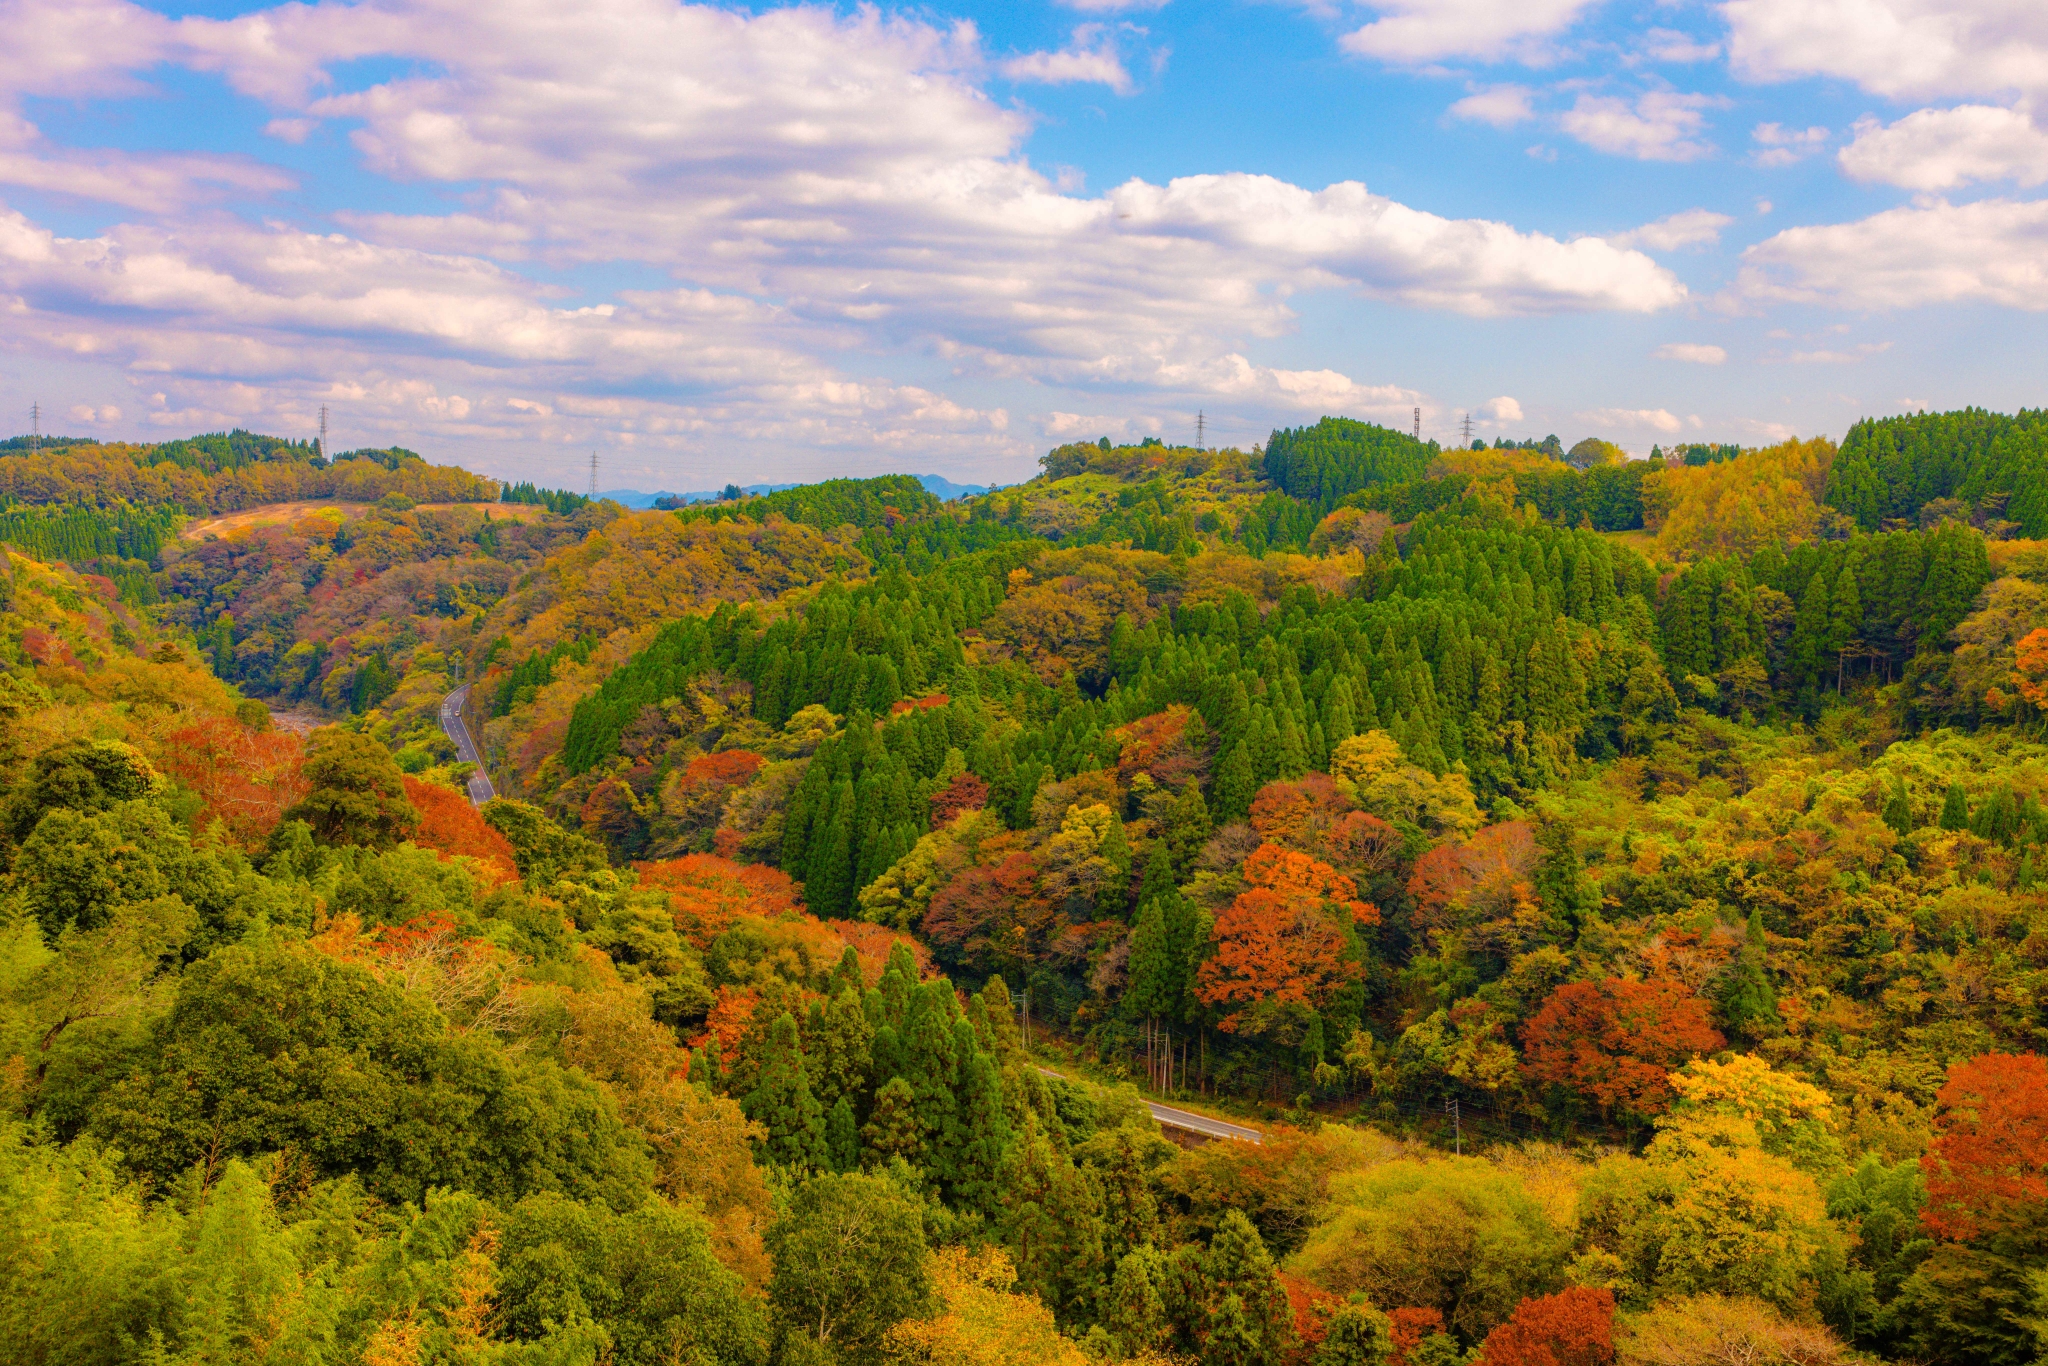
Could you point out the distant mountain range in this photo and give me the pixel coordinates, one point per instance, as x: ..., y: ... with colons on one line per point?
x: 937, y: 485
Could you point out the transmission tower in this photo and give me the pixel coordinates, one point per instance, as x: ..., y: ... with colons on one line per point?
x: 1468, y: 429
x: 593, y: 474
x: 323, y: 431
x: 1418, y: 424
x: 35, y: 427
x: 1201, y: 429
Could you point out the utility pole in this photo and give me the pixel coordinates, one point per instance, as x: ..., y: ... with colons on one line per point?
x: 1418, y: 424
x: 323, y: 431
x: 1201, y: 429
x: 593, y: 474
x: 1468, y: 429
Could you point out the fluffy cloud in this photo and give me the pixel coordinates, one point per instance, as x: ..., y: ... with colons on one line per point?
x: 1503, y: 106
x: 1993, y: 251
x: 1430, y: 30
x: 1662, y: 125
x: 1901, y: 48
x: 1781, y: 146
x: 1694, y: 353
x: 1502, y: 409
x: 1667, y: 45
x: 1687, y: 228
x: 1091, y: 58
x: 1940, y: 149
x: 1634, y: 419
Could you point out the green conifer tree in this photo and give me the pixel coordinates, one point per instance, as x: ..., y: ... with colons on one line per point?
x: 1955, y: 809
x: 842, y: 1137
x: 893, y: 1129
x: 1358, y: 1335
x: 1187, y: 829
x: 1236, y: 784
x: 1898, y: 811
x: 781, y: 1101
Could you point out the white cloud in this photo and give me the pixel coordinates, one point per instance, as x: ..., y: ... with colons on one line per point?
x: 1900, y: 48
x: 1695, y: 353
x: 1668, y: 45
x: 1687, y: 228
x: 1993, y: 251
x: 820, y: 184
x: 1502, y: 409
x: 1634, y: 419
x: 1940, y: 149
x: 1091, y: 58
x: 1503, y: 106
x: 1411, y: 31
x: 1660, y: 126
x: 1782, y: 146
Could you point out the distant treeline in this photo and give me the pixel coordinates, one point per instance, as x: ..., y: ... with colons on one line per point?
x: 558, y: 501
x: 863, y: 503
x: 223, y: 472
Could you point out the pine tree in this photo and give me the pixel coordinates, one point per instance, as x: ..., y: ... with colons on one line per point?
x: 1235, y: 784
x: 1358, y: 1335
x: 781, y: 1101
x: 932, y: 1071
x: 1898, y: 812
x: 1113, y: 899
x: 984, y: 1150
x: 1136, y: 1317
x: 1955, y: 809
x: 893, y: 1129
x: 1187, y: 829
x: 1149, y: 989
x: 842, y: 1137
x: 1748, y: 1002
x: 1568, y: 896
x: 1052, y: 1220
x: 1245, y: 1316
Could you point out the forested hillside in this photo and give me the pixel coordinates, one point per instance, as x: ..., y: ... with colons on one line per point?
x: 1613, y: 889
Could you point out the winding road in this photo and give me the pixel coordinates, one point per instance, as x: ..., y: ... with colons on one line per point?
x: 480, y: 789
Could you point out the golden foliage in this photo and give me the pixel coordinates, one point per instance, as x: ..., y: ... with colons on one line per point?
x: 1737, y: 507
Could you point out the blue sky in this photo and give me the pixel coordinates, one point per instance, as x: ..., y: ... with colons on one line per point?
x: 760, y: 242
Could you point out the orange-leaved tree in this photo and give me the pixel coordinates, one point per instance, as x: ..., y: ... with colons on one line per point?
x: 1988, y: 1162
x: 706, y: 894
x: 1574, y: 1327
x: 1484, y: 878
x: 243, y: 779
x: 1617, y: 1041
x: 451, y: 826
x: 1286, y: 939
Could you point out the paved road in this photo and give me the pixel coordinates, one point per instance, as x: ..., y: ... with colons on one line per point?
x: 480, y: 789
x: 1192, y: 1122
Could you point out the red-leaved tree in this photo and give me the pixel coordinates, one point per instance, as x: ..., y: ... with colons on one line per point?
x: 1988, y: 1161
x: 1408, y: 1328
x: 1617, y: 1041
x: 1574, y: 1327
